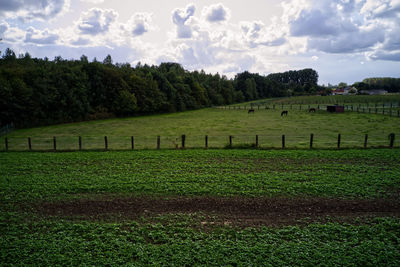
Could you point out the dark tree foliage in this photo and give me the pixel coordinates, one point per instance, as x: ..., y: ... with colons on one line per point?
x: 392, y: 85
x: 40, y: 91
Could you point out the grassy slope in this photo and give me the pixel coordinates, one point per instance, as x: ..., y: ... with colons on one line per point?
x: 218, y: 124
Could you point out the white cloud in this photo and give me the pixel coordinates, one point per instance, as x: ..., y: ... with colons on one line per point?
x: 339, y: 26
x: 216, y: 13
x: 3, y: 27
x: 96, y: 21
x: 256, y: 33
x: 11, y: 34
x: 138, y: 24
x: 181, y: 18
x: 33, y: 9
x: 381, y: 8
x: 93, y: 1
x: 40, y: 37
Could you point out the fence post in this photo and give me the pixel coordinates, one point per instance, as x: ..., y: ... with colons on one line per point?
x: 158, y: 142
x: 206, y: 141
x: 365, y: 140
x: 29, y: 143
x: 230, y: 141
x: 80, y: 142
x: 300, y: 106
x: 256, y: 140
x: 183, y: 140
x: 392, y: 135
x: 132, y: 143
x: 311, y: 140
x: 6, y: 141
x: 283, y: 141
x: 398, y: 113
x: 105, y: 143
x: 338, y: 140
x: 54, y: 143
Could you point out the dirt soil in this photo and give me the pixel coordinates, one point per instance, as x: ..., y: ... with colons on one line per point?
x: 239, y: 211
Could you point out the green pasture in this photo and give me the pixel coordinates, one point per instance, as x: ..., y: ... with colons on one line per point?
x: 218, y: 124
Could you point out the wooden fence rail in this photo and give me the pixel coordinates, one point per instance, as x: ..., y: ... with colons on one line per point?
x: 233, y: 142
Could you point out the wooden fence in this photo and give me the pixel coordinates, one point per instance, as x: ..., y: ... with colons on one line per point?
x: 391, y: 109
x: 182, y: 142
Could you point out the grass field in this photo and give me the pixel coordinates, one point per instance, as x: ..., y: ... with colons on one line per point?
x: 218, y: 124
x: 197, y: 207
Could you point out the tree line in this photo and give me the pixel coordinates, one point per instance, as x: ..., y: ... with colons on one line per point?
x: 392, y: 85
x: 36, y: 91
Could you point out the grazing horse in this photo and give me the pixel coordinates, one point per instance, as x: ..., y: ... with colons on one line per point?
x: 311, y: 110
x: 285, y: 112
x: 251, y: 111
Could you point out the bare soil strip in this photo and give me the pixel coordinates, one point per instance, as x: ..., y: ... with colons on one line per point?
x: 229, y: 210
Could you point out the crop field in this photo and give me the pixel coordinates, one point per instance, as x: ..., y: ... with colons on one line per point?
x: 200, y: 207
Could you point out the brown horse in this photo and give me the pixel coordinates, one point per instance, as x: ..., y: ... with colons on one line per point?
x: 285, y: 112
x: 311, y: 110
x: 251, y: 111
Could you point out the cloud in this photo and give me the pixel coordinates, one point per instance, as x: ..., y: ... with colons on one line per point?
x: 181, y: 17
x: 348, y: 42
x: 93, y: 1
x: 3, y: 27
x: 40, y: 37
x: 139, y: 23
x: 32, y: 9
x: 381, y: 8
x: 256, y: 33
x: 385, y: 55
x: 343, y: 26
x: 11, y: 34
x: 96, y: 21
x: 216, y: 13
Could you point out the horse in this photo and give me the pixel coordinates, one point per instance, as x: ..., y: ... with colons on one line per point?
x: 311, y: 110
x: 285, y: 112
x: 251, y: 111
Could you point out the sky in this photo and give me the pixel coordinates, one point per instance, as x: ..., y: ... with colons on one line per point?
x: 343, y: 40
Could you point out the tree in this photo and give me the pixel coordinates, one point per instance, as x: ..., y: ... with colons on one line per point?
x: 107, y: 60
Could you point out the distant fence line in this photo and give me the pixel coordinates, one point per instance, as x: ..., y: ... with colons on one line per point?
x: 391, y: 110
x: 181, y: 143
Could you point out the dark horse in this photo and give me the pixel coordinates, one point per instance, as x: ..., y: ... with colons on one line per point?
x: 285, y: 112
x: 251, y: 111
x: 311, y: 110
